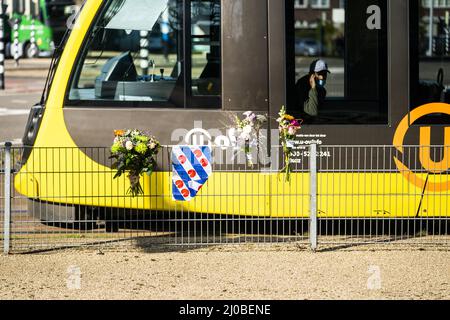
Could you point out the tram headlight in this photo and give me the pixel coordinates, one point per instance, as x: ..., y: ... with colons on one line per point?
x: 32, y: 125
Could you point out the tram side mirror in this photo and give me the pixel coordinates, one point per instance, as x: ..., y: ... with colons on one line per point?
x: 33, y: 124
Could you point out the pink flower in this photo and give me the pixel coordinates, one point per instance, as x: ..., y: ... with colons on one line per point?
x: 292, y: 130
x: 250, y: 116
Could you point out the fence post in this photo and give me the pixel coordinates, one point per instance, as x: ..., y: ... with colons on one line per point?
x: 2, y: 44
x: 7, y: 217
x: 313, y: 197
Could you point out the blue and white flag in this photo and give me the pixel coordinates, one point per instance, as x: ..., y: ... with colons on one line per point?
x: 191, y: 169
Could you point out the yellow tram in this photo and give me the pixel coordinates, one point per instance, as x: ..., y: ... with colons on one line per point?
x: 205, y: 59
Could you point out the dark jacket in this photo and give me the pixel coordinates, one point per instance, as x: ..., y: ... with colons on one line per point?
x: 309, y: 100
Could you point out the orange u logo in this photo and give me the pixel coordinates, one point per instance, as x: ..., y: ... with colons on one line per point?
x: 425, y: 151
x: 425, y: 148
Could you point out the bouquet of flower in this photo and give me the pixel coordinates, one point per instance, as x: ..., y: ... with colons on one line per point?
x: 288, y: 126
x: 134, y: 152
x: 247, y: 131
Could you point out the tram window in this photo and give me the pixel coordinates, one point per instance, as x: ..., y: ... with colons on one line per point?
x: 352, y: 48
x: 205, y: 48
x: 430, y: 52
x: 142, y: 60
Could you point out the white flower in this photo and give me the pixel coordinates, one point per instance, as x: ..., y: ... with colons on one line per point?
x: 247, y: 129
x: 245, y: 136
x: 261, y: 118
x: 152, y: 145
x: 250, y: 116
x: 116, y: 140
x: 129, y: 145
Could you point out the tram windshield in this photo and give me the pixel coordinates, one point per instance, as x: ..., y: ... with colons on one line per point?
x: 135, y: 52
x: 111, y: 67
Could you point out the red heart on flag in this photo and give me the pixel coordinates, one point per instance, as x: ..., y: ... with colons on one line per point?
x: 192, y: 173
x: 198, y: 153
x: 185, y: 193
x: 204, y: 162
x: 182, y: 159
x: 179, y: 184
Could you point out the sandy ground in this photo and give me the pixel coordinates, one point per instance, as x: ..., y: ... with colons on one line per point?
x: 236, y: 272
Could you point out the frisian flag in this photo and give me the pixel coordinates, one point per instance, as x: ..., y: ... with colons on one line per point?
x: 191, y: 167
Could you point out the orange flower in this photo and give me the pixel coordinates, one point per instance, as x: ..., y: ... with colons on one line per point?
x: 288, y: 117
x: 119, y: 133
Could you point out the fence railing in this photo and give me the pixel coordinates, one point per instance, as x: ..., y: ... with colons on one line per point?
x: 345, y: 195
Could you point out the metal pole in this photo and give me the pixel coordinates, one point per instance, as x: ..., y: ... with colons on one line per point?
x: 313, y: 197
x: 447, y: 39
x: 7, y: 218
x: 33, y: 38
x: 2, y: 45
x: 430, y: 31
x: 16, y: 41
x: 144, y: 52
x: 27, y: 9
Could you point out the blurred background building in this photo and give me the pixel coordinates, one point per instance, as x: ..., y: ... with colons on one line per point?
x: 319, y: 27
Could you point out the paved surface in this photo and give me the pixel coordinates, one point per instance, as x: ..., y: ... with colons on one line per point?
x: 244, y: 272
x: 24, y: 85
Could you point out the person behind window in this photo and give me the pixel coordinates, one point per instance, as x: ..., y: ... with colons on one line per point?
x: 310, y: 89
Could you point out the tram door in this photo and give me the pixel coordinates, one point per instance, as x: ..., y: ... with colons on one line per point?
x: 352, y: 38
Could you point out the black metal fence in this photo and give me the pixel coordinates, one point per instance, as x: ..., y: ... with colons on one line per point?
x: 53, y: 198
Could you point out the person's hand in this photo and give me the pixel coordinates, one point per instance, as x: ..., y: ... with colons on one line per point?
x: 312, y: 81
